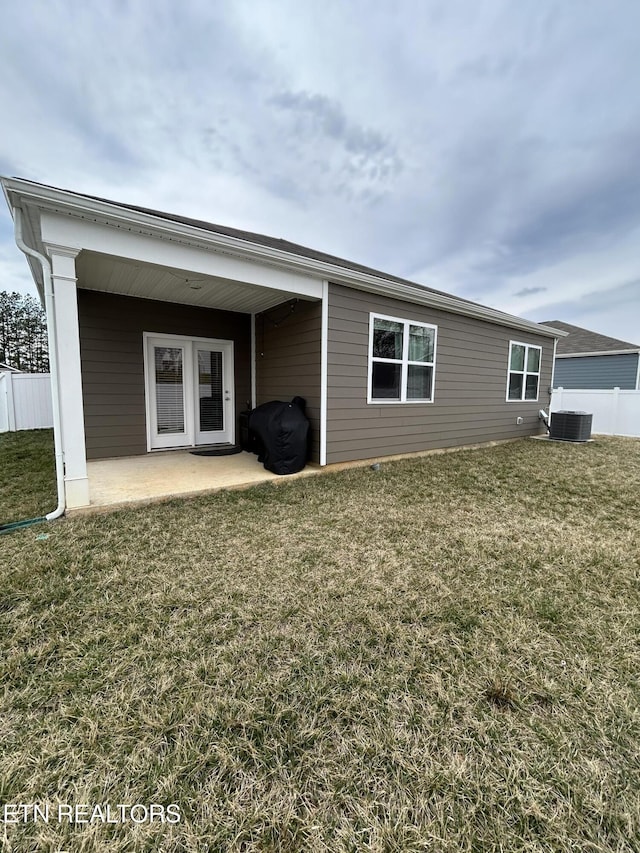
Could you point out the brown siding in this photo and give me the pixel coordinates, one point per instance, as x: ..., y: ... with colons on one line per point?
x: 288, y: 344
x: 470, y: 383
x: 111, y: 349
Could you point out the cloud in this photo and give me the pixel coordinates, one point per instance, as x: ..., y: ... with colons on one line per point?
x: 530, y: 291
x: 321, y: 118
x: 611, y: 312
x: 487, y: 150
x: 591, y: 304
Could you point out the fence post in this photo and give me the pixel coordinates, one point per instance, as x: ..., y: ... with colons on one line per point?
x: 11, y: 406
x: 4, y: 403
x: 614, y: 410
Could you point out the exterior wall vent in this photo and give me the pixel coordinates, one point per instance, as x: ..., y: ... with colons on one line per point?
x: 571, y: 426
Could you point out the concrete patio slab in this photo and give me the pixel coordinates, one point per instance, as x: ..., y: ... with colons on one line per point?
x: 134, y: 480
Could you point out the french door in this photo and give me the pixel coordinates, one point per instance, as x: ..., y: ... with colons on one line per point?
x: 189, y: 391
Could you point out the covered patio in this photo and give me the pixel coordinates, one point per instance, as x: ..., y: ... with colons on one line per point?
x: 163, y: 332
x: 132, y: 480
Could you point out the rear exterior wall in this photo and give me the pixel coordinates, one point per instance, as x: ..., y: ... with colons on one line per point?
x: 111, y: 352
x: 469, y: 404
x: 288, y: 359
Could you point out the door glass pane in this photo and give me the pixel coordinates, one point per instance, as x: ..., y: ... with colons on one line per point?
x: 420, y: 344
x: 169, y: 390
x: 387, y: 338
x: 419, y: 382
x: 386, y: 381
x: 210, y: 390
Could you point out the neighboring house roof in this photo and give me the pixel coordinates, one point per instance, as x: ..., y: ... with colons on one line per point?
x: 258, y: 247
x: 581, y: 342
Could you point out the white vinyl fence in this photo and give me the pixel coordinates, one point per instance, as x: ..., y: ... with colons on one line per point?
x: 25, y: 401
x: 615, y: 412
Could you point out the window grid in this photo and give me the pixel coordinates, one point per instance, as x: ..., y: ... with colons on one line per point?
x: 404, y: 362
x: 525, y: 373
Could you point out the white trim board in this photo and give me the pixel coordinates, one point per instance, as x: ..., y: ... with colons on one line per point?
x: 191, y: 429
x: 145, y: 248
x: 524, y: 372
x: 324, y: 369
x: 403, y: 401
x: 124, y: 220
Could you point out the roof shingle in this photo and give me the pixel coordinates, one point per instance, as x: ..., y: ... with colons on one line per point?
x: 581, y: 340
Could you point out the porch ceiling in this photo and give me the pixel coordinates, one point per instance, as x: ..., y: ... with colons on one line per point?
x: 96, y: 271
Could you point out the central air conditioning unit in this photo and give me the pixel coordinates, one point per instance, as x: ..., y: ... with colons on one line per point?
x: 570, y: 426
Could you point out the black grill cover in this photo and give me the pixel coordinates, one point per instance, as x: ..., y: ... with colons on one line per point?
x: 282, y: 432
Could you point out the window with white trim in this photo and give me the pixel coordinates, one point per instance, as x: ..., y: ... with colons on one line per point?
x: 402, y: 363
x: 524, y: 371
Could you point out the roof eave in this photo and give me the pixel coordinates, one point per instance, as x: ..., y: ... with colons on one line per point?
x: 64, y: 201
x: 600, y: 352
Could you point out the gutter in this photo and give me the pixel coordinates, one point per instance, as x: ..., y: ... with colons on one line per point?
x: 601, y: 352
x: 114, y: 215
x: 53, y: 369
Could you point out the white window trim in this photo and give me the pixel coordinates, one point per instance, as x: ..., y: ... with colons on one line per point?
x: 524, y: 372
x: 371, y: 400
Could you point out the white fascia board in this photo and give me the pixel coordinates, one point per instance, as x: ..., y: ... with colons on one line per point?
x: 603, y: 352
x: 110, y: 213
x: 60, y: 230
x: 7, y: 195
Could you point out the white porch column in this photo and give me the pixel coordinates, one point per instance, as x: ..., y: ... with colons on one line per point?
x: 324, y: 372
x: 65, y: 300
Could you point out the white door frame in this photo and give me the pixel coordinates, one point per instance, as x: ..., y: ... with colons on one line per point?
x: 189, y: 345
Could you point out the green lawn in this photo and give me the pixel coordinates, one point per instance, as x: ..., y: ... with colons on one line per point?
x: 441, y: 655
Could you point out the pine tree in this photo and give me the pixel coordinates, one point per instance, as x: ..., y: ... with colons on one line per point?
x: 23, y: 333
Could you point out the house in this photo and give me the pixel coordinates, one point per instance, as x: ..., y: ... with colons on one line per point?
x: 586, y: 359
x: 151, y: 313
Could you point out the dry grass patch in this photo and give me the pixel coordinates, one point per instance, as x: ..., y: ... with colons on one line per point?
x: 27, y: 475
x: 440, y: 655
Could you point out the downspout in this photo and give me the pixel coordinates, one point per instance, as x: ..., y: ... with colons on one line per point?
x: 553, y: 382
x: 53, y: 363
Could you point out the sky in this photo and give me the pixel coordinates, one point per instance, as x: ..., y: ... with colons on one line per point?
x: 488, y: 149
